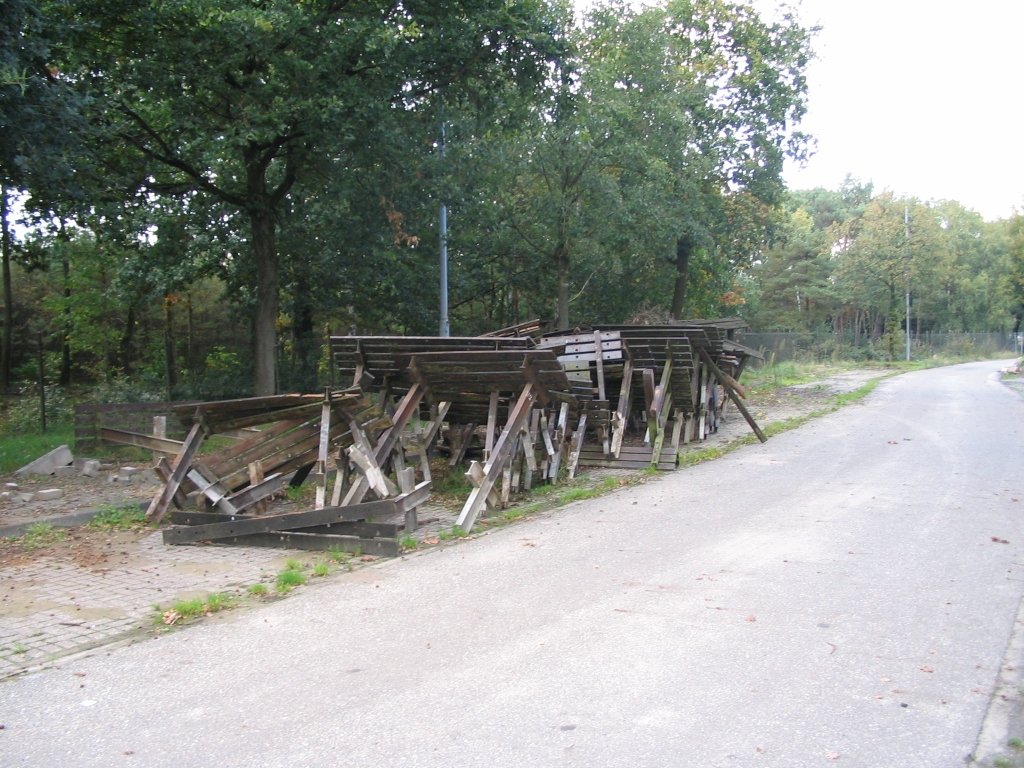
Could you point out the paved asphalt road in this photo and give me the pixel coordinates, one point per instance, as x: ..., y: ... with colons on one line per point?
x: 834, y: 592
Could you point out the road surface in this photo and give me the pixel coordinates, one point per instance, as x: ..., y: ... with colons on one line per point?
x: 833, y: 597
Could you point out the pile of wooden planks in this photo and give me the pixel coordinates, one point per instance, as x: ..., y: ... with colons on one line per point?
x: 297, y: 435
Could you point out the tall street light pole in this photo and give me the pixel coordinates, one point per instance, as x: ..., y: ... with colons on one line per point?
x: 906, y: 247
x: 445, y: 330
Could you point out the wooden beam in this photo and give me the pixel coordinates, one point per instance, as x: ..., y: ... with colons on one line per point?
x: 160, y: 445
x: 600, y: 366
x: 320, y: 470
x: 240, y: 526
x: 577, y: 445
x: 502, y: 449
x: 163, y: 469
x: 492, y: 423
x: 257, y: 492
x: 621, y: 414
x: 179, y: 469
x: 732, y: 394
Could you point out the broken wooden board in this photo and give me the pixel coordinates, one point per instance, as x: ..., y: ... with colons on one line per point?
x: 240, y: 525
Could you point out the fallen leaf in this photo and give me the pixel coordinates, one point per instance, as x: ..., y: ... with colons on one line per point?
x: 431, y: 541
x: 367, y: 558
x: 879, y: 697
x: 885, y: 679
x: 529, y: 544
x: 832, y: 755
x: 926, y: 669
x: 751, y: 618
x: 171, y: 616
x: 932, y: 651
x: 892, y: 442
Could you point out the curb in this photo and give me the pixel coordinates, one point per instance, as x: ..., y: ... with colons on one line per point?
x: 1005, y: 714
x: 70, y: 520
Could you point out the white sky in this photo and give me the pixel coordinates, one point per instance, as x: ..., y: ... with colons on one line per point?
x: 920, y: 97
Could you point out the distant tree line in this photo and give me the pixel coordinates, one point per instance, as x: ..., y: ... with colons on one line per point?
x: 196, y: 193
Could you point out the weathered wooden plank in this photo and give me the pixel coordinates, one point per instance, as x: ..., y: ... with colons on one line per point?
x: 735, y: 397
x: 123, y: 437
x: 359, y: 528
x: 577, y: 446
x: 295, y: 520
x: 182, y: 463
x: 502, y: 449
x: 257, y: 492
x: 317, y: 542
x: 320, y: 469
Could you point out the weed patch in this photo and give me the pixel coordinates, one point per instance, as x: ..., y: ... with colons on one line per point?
x: 39, y: 535
x: 258, y: 590
x: 289, y: 579
x: 408, y: 543
x: 185, y: 610
x: 321, y: 569
x: 119, y: 518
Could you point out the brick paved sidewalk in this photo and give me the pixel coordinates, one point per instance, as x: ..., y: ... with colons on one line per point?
x: 50, y: 608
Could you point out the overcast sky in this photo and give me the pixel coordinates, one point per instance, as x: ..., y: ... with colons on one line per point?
x: 921, y: 97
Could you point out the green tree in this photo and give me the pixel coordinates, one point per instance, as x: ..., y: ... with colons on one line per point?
x: 236, y: 101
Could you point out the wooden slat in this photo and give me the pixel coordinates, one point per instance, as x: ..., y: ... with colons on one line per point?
x: 317, y: 542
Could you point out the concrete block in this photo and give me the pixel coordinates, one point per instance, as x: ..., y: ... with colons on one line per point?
x: 150, y: 477
x: 129, y: 471
x: 11, y: 486
x: 49, y: 494
x: 60, y: 456
x: 5, y: 495
x: 106, y: 464
x: 24, y: 497
x: 112, y: 478
x: 91, y: 468
x: 68, y: 471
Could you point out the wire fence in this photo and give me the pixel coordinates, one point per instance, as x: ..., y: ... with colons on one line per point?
x: 781, y: 346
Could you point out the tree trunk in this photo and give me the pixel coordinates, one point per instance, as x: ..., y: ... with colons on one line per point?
x: 684, y: 249
x: 170, y: 363
x: 265, y: 316
x: 65, y: 347
x: 125, y: 347
x: 562, y: 261
x: 5, y: 247
x: 190, y: 360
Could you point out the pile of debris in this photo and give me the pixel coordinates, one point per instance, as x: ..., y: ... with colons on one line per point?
x: 522, y: 407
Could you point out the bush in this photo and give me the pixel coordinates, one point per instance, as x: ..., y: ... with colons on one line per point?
x: 23, y: 415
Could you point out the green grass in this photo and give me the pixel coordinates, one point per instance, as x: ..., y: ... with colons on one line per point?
x: 120, y: 518
x: 289, y: 579
x: 292, y: 565
x: 1015, y: 743
x: 19, y: 648
x: 321, y: 569
x: 294, y: 493
x: 408, y: 542
x: 1002, y: 762
x: 455, y: 533
x: 18, y: 450
x: 336, y: 554
x: 40, y: 535
x: 257, y: 590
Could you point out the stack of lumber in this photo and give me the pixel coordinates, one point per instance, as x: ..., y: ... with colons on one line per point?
x: 296, y: 435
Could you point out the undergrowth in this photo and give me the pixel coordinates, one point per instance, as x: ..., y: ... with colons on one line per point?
x: 125, y: 517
